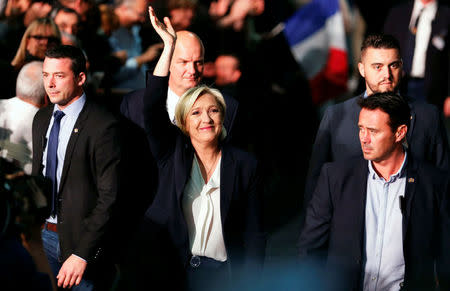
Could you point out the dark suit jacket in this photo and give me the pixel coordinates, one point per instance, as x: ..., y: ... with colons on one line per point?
x: 437, y: 64
x: 90, y: 179
x: 240, y: 190
x: 133, y: 103
x: 337, y: 138
x: 335, y: 219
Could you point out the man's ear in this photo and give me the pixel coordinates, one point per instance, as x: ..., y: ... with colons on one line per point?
x: 81, y: 79
x: 361, y: 69
x: 401, y: 133
x: 236, y: 75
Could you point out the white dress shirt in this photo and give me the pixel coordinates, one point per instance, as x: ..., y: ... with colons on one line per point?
x: 171, y: 104
x: 384, y: 264
x: 422, y: 36
x: 201, y: 208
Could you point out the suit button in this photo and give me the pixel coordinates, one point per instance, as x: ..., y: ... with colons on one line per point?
x: 401, y: 284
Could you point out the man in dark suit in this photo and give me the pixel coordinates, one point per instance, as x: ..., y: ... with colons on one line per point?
x: 186, y: 71
x: 337, y: 137
x: 383, y: 220
x: 76, y: 144
x: 421, y: 26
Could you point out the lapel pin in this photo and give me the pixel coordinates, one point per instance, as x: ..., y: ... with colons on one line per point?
x: 75, y: 130
x: 411, y: 180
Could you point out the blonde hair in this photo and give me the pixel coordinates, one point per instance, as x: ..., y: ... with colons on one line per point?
x: 188, y: 99
x: 38, y: 24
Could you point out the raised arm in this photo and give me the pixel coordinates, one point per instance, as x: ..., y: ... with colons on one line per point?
x: 160, y: 131
x: 168, y: 36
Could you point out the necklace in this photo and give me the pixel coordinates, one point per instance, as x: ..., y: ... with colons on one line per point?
x: 208, y: 171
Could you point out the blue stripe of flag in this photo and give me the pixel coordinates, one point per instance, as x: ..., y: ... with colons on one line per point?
x: 309, y: 19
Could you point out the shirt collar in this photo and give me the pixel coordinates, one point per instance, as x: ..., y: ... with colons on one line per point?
x: 74, y: 108
x: 400, y: 173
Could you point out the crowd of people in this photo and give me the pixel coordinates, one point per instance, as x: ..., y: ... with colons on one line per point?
x: 179, y: 137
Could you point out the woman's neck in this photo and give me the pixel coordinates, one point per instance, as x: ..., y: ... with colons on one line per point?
x: 206, y: 154
x: 207, y: 157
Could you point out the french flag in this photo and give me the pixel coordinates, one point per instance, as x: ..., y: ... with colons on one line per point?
x: 316, y: 36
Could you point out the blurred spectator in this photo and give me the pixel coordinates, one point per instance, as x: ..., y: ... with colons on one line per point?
x: 68, y: 21
x: 94, y: 45
x: 227, y: 70
x: 233, y: 13
x: 12, y: 27
x: 37, y: 9
x: 227, y: 74
x: 109, y: 20
x: 422, y: 27
x: 15, y: 7
x: 40, y: 35
x: 23, y: 208
x: 16, y: 116
x: 181, y: 13
x: 82, y: 7
x: 18, y: 16
x: 131, y: 14
x: 24, y: 11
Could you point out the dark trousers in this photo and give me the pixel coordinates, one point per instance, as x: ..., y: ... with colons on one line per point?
x: 208, y: 275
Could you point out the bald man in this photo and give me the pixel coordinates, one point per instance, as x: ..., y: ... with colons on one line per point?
x: 186, y: 71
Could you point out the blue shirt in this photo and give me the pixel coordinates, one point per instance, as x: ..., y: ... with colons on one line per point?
x: 129, y: 76
x: 65, y: 131
x: 384, y: 264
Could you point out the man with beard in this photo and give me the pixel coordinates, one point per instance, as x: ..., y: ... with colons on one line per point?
x: 337, y: 138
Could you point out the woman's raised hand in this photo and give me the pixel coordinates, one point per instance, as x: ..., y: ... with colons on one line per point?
x: 164, y: 30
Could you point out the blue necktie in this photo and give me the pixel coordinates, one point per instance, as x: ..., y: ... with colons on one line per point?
x: 52, y: 157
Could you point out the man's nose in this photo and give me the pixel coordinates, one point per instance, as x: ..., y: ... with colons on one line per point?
x: 51, y: 82
x: 387, y: 74
x: 191, y: 68
x: 364, y: 136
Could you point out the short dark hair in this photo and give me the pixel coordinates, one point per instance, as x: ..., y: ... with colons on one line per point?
x: 380, y: 41
x: 391, y: 103
x: 73, y: 53
x: 65, y: 9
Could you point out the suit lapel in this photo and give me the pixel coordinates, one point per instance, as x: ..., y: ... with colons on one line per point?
x: 42, y: 128
x: 77, y: 130
x: 360, y: 190
x: 410, y: 189
x: 184, y: 155
x: 227, y: 174
x: 412, y: 122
